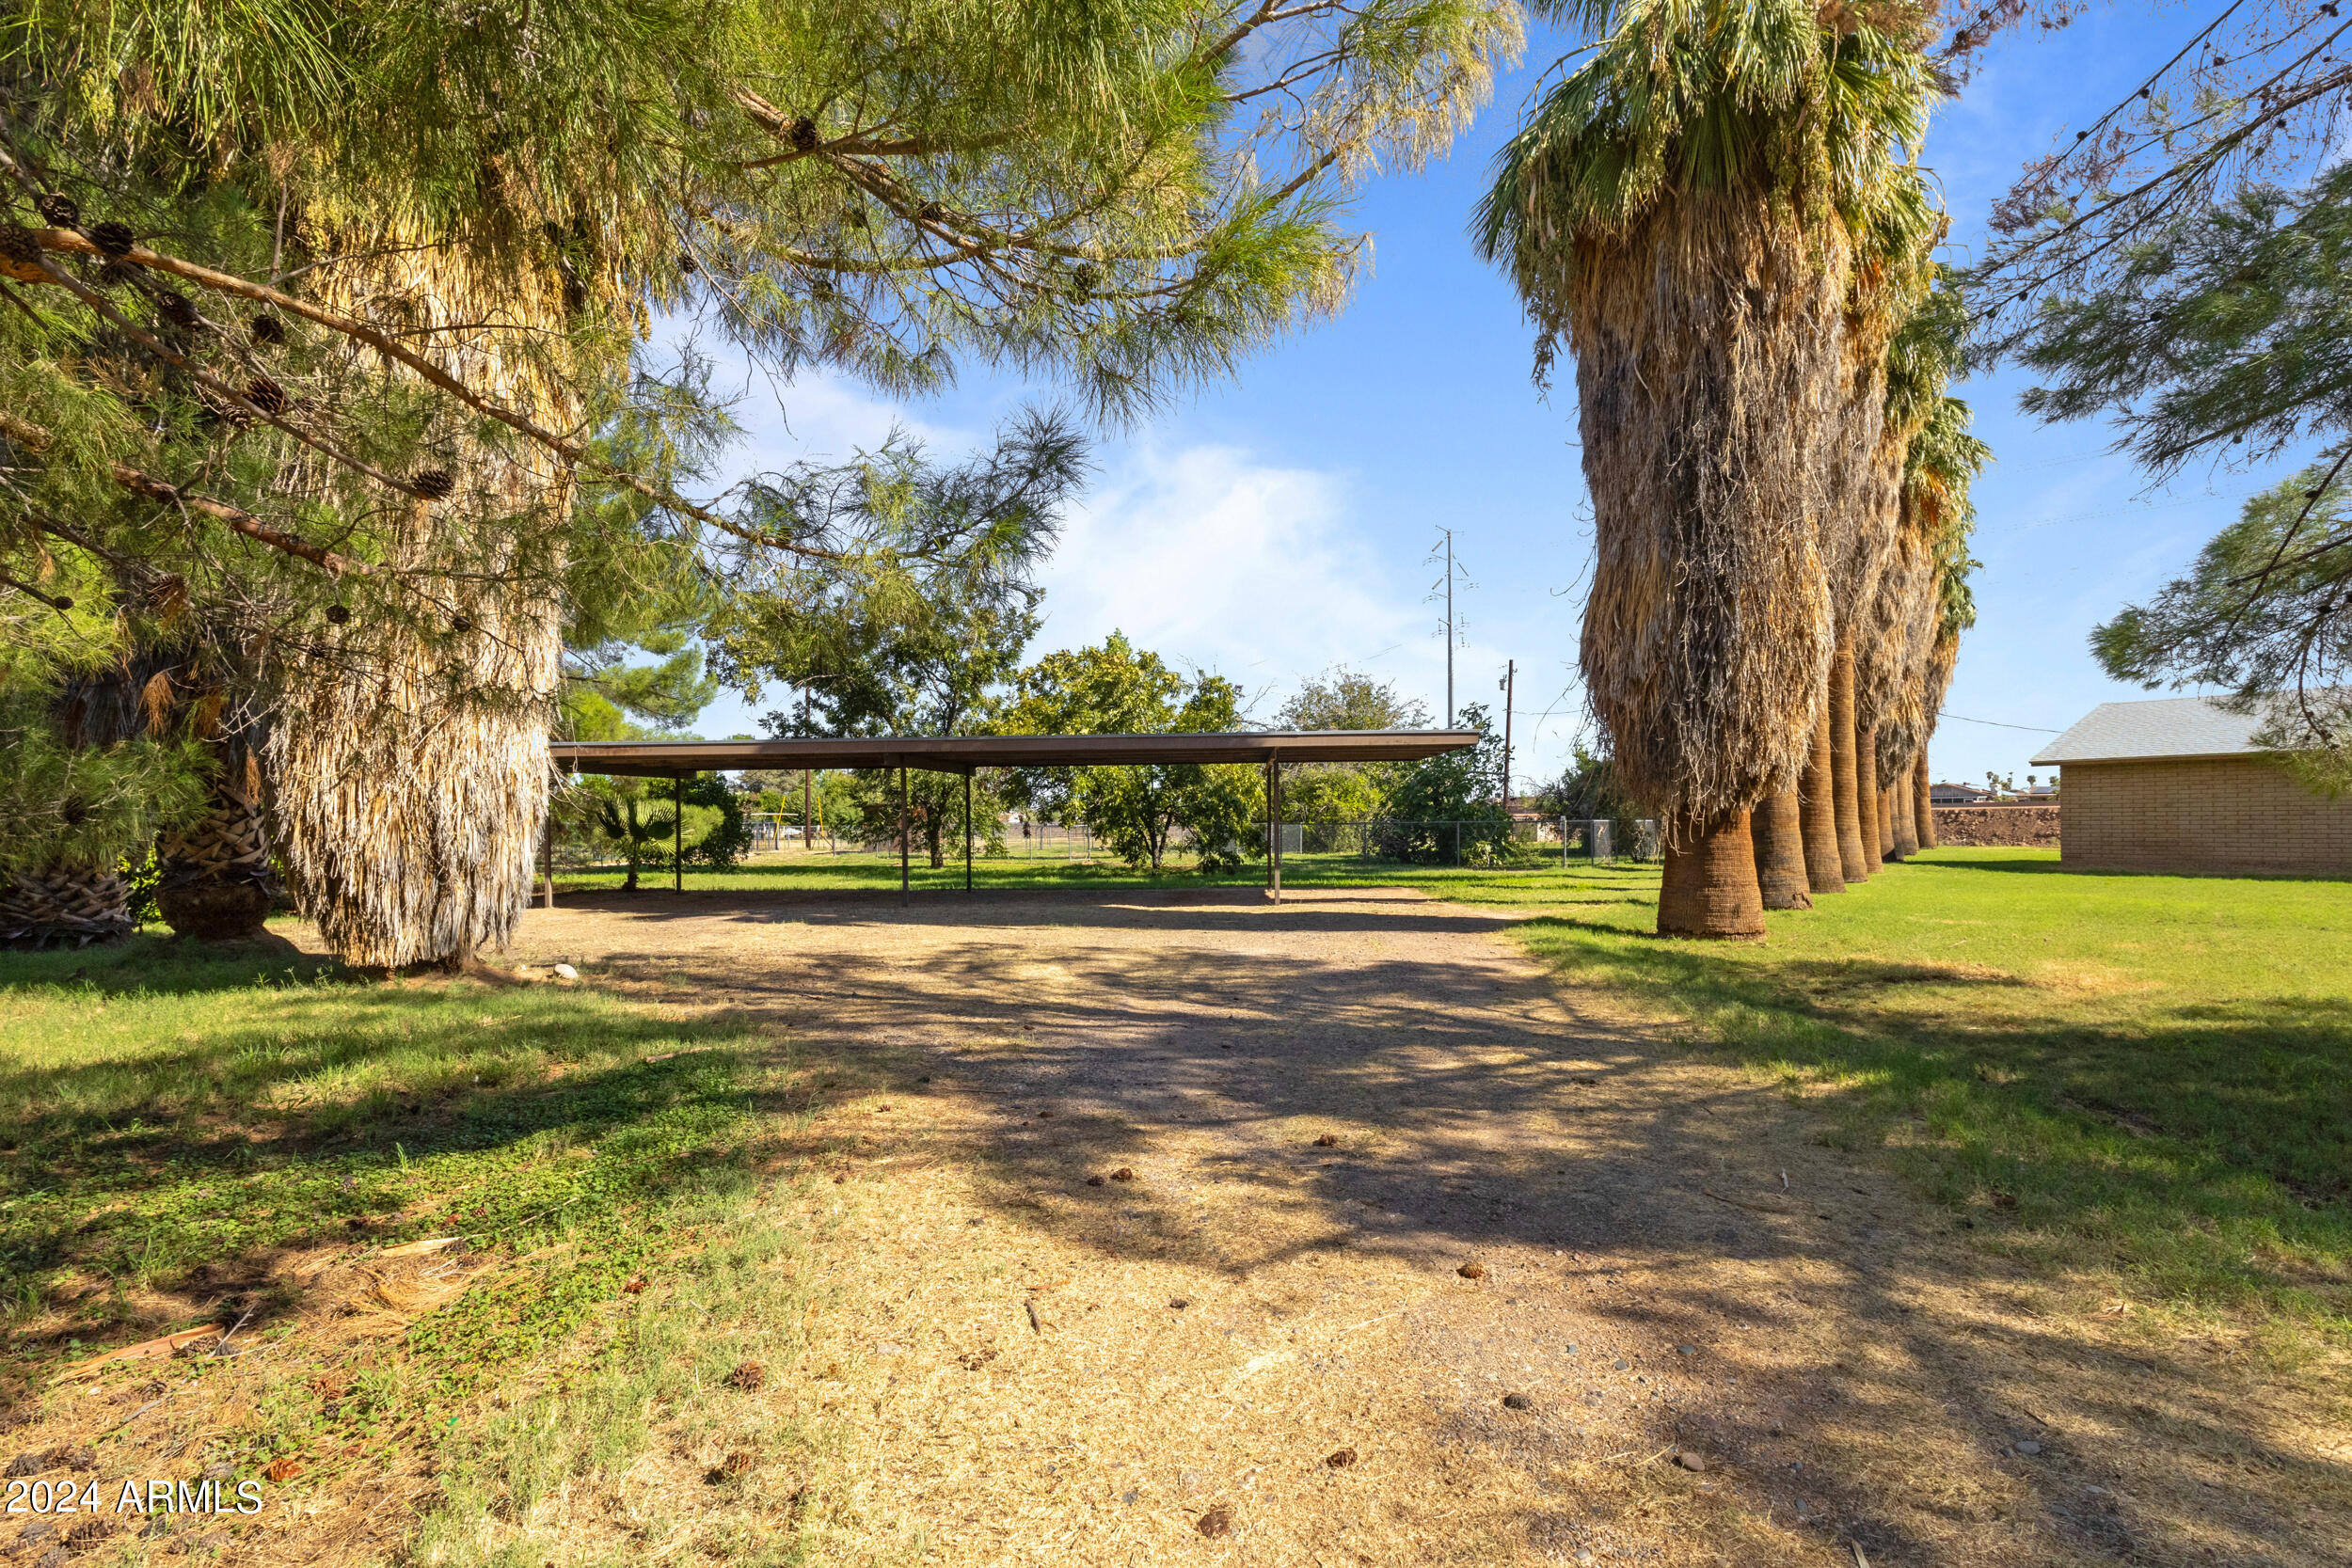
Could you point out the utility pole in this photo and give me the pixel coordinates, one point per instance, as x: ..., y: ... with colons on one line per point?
x: 1453, y: 631
x: 808, y: 783
x: 1449, y: 629
x: 1510, y: 686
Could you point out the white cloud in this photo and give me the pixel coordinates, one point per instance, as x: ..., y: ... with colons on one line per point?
x: 1213, y: 559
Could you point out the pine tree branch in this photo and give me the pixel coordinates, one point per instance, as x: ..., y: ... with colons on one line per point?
x: 58, y: 604
x: 235, y: 397
x: 34, y: 439
x: 570, y: 451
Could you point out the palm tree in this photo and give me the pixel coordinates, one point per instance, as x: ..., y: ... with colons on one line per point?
x: 1895, y: 630
x: 1860, y: 511
x: 411, y: 773
x: 1682, y: 210
x: 1938, y: 517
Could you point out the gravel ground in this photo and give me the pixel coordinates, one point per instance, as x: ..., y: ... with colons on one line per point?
x: 1567, y: 1292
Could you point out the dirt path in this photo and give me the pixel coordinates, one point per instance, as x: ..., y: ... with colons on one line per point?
x: 1329, y: 1108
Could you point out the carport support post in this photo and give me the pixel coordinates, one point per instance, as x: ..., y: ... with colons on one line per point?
x: 1273, y: 828
x: 905, y: 897
x: 677, y: 833
x: 967, y: 829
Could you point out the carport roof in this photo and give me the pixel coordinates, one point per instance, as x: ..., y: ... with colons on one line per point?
x: 663, y: 759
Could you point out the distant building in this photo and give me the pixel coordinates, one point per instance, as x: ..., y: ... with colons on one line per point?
x: 1956, y: 795
x: 2179, y: 785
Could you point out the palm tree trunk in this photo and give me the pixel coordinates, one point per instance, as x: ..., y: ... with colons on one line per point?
x: 67, y: 903
x: 1922, y: 809
x: 1899, y: 807
x: 1846, y: 792
x: 410, y: 789
x: 1776, y: 831
x: 1888, y: 841
x: 217, y: 883
x: 1817, y: 811
x: 1710, y: 887
x: 1866, y: 796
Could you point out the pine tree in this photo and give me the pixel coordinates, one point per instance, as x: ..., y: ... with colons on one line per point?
x: 321, y: 320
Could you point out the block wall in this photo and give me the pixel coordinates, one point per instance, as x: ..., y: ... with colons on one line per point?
x: 2019, y: 825
x: 2225, y: 815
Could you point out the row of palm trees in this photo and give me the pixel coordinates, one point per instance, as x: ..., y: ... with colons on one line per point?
x: 1723, y: 216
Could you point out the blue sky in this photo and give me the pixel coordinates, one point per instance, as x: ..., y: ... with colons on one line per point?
x: 1281, y: 523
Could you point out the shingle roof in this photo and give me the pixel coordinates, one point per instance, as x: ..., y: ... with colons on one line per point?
x: 2148, y: 731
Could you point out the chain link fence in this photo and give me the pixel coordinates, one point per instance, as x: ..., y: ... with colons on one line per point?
x: 1486, y: 842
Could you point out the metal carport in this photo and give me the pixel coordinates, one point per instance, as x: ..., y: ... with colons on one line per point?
x: 963, y: 754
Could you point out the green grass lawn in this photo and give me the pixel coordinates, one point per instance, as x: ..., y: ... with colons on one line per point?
x: 2146, y: 1078
x: 175, y: 1125
x: 2147, y: 1075
x: 166, y: 1116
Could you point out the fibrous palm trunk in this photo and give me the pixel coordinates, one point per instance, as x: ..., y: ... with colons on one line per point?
x: 1776, y: 830
x: 66, y: 904
x: 1706, y: 342
x: 1906, y: 821
x: 1891, y: 681
x: 217, y: 881
x: 1866, y: 745
x: 1845, y: 783
x: 1817, y: 811
x: 1923, y: 809
x: 411, y: 785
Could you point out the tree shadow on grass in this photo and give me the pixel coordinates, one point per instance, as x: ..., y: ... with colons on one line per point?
x: 170, y: 1169
x: 1480, y: 1124
x: 149, y: 961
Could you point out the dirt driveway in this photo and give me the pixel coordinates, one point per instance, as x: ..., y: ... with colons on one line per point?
x: 1421, y: 1261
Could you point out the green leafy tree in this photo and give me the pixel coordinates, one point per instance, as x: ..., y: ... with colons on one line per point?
x: 919, y: 648
x: 1118, y: 689
x: 1586, y: 791
x: 2262, y: 614
x: 1323, y: 792
x: 1447, y: 808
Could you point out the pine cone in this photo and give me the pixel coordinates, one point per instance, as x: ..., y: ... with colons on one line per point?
x: 19, y: 245
x: 337, y: 615
x: 177, y: 308
x: 434, y: 484
x: 686, y: 265
x: 805, y: 135
x: 265, y: 395
x: 931, y: 212
x: 60, y: 210
x: 459, y: 623
x: 268, y: 329
x: 115, y: 239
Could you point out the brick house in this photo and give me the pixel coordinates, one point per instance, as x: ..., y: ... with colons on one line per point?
x: 2178, y: 784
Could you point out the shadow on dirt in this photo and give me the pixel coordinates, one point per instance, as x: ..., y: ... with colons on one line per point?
x: 1441, y: 1077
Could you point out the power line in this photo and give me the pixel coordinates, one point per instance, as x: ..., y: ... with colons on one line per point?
x: 2039, y: 729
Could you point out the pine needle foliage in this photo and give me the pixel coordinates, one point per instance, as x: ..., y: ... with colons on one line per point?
x: 320, y: 319
x: 2262, y: 613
